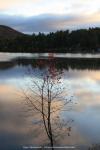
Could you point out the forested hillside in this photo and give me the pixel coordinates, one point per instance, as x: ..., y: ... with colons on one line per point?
x: 79, y: 41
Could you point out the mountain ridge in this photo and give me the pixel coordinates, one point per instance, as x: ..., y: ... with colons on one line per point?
x: 9, y: 33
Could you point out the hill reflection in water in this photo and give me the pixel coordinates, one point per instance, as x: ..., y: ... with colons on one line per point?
x: 60, y: 63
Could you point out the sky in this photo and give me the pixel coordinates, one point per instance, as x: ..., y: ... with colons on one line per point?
x: 31, y: 16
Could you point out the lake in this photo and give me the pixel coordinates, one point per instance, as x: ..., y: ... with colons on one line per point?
x: 79, y: 74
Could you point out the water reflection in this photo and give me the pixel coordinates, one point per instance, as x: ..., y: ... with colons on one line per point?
x: 94, y: 147
x: 62, y: 63
x: 48, y: 98
x: 82, y: 76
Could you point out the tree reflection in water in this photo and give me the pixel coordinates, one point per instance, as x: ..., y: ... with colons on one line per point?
x: 60, y: 63
x: 94, y: 147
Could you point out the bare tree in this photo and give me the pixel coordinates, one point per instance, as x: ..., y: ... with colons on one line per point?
x: 47, y: 96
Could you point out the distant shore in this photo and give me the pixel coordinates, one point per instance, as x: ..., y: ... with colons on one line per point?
x: 78, y: 41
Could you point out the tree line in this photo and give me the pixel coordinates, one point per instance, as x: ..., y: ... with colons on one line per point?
x: 78, y: 41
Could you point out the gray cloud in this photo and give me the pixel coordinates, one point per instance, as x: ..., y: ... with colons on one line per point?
x: 46, y: 22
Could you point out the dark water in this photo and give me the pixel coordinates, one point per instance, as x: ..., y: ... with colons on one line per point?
x: 81, y: 77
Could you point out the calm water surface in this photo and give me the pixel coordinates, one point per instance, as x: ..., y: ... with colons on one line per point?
x: 81, y: 77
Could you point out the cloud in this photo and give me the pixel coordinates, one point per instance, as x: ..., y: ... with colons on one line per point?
x: 9, y: 3
x: 36, y: 7
x: 45, y: 16
x: 32, y: 7
x: 50, y: 22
